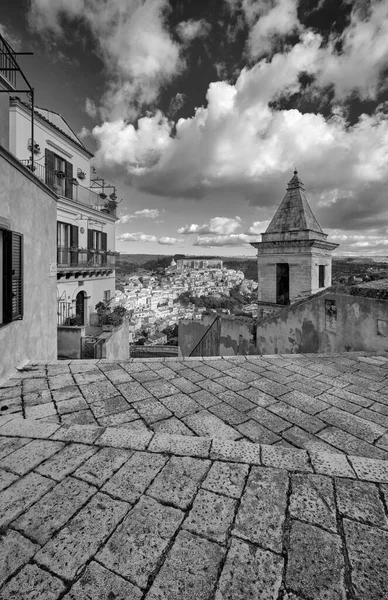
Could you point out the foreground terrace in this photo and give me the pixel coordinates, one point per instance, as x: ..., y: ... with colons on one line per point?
x: 223, y: 478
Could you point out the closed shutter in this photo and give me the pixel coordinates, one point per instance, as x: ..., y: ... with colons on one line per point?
x: 90, y: 239
x: 13, y: 276
x: 104, y: 247
x: 49, y: 164
x: 74, y: 244
x: 69, y: 177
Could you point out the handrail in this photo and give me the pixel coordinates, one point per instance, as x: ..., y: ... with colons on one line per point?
x: 218, y: 317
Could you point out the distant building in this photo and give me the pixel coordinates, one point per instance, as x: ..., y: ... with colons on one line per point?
x: 294, y: 256
x: 183, y: 264
x: 157, y: 339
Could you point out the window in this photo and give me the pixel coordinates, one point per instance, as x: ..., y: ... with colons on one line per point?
x: 321, y: 276
x: 11, y: 272
x: 67, y: 242
x: 106, y: 295
x: 59, y: 174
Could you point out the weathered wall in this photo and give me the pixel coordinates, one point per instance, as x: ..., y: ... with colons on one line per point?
x: 229, y: 336
x: 190, y: 332
x: 31, y: 210
x: 69, y: 341
x: 117, y: 344
x: 331, y: 322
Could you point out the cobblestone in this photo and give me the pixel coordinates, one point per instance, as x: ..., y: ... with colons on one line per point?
x: 31, y: 583
x: 26, y: 458
x: 211, y: 516
x: 95, y: 583
x: 312, y: 500
x: 361, y: 501
x: 15, y: 551
x: 227, y: 479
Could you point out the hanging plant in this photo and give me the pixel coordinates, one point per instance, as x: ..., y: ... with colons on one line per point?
x: 81, y: 174
x: 103, y: 196
x: 60, y: 174
x: 74, y: 181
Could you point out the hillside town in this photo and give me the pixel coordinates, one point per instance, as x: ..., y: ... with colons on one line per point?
x: 154, y: 302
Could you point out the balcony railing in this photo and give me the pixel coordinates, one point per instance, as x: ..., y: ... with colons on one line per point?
x: 70, y: 188
x: 7, y: 63
x: 81, y: 258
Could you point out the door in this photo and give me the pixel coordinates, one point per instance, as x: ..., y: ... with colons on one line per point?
x: 80, y: 307
x: 282, y: 283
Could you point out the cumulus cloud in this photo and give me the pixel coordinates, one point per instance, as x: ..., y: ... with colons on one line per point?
x: 176, y: 104
x: 169, y: 241
x: 191, y: 29
x: 139, y: 53
x: 136, y: 237
x: 10, y: 37
x: 258, y: 227
x: 220, y: 225
x: 147, y: 213
x: 90, y: 108
x: 234, y: 239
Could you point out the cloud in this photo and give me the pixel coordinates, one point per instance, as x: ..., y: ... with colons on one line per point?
x: 176, y: 104
x: 236, y: 239
x: 91, y: 108
x: 258, y: 227
x: 169, y: 241
x: 136, y: 237
x: 191, y: 29
x: 147, y: 213
x: 11, y: 37
x: 220, y: 225
x: 268, y: 22
x: 132, y: 39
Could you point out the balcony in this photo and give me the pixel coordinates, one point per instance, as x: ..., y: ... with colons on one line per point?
x: 8, y: 69
x: 81, y: 262
x: 70, y: 188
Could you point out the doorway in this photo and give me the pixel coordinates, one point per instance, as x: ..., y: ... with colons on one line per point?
x: 80, y: 307
x: 282, y: 283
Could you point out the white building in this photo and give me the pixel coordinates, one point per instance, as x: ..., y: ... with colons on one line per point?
x: 85, y: 213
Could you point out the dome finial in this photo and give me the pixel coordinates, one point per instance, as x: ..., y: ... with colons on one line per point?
x: 295, y: 172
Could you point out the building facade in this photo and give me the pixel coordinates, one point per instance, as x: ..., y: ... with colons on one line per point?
x: 85, y: 228
x: 294, y: 256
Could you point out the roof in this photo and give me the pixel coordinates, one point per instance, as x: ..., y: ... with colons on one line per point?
x: 294, y: 213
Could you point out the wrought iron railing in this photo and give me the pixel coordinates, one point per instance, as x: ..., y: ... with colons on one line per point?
x: 69, y: 188
x: 68, y: 258
x: 7, y: 63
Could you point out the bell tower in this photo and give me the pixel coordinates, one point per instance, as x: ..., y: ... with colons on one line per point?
x: 294, y: 256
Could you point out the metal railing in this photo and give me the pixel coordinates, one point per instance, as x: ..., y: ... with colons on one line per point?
x: 7, y: 63
x: 199, y: 348
x: 69, y: 187
x: 68, y: 258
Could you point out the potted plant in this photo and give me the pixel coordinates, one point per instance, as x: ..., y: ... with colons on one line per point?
x: 60, y: 174
x: 74, y: 181
x: 103, y: 196
x: 81, y: 174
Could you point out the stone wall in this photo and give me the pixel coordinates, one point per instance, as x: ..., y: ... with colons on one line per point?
x: 229, y: 336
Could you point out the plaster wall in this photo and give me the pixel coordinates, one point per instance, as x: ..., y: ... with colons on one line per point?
x: 229, y: 336
x: 69, y: 342
x: 82, y: 216
x: 331, y: 322
x: 30, y: 210
x: 4, y: 121
x: 117, y: 345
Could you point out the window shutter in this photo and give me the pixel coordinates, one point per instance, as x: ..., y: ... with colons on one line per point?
x: 13, y: 276
x: 49, y: 167
x: 74, y: 236
x: 104, y: 241
x: 90, y: 239
x: 68, y: 178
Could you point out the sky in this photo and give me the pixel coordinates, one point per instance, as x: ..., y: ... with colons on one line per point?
x: 200, y: 110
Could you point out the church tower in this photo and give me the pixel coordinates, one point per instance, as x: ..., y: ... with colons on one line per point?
x: 294, y: 256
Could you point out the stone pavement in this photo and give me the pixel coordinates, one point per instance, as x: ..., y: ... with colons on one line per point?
x: 108, y: 510
x: 333, y: 403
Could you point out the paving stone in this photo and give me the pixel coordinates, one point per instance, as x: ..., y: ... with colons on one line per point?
x: 297, y: 417
x: 10, y: 406
x: 165, y: 372
x: 72, y: 405
x: 134, y: 367
x: 15, y: 551
x: 177, y: 365
x: 66, y: 393
x: 191, y: 375
x: 190, y: 570
x: 21, y: 495
x: 231, y: 384
x: 211, y: 516
x: 350, y: 396
x: 28, y: 428
x: 32, y: 385
x: 350, y: 444
x: 134, y: 477
x: 65, y: 461
x: 261, y: 514
x: 181, y: 445
x: 53, y: 511
x: 205, y: 424
x: 101, y: 466
x: 60, y: 381
x: 83, y: 366
x: 6, y: 479
x: 98, y: 583
x: 304, y: 402
x: 11, y: 392
x: 145, y: 376
x: 185, y: 385
x: 152, y: 410
x: 360, y: 501
x: 268, y: 420
x: 205, y: 399
x: 28, y: 457
x: 172, y: 426
x: 97, y: 390
x: 312, y: 500
x: 257, y: 433
x: 236, y: 401
x: 370, y: 469
x: 119, y: 418
x: 102, y: 407
x: 330, y: 464
x: 315, y: 563
x: 10, y: 444
x: 368, y: 554
x: 32, y: 583
x: 91, y: 376
x: 341, y: 403
x: 133, y: 392
x: 121, y: 437
x: 178, y: 481
x: 136, y: 546
x: 366, y: 430
x: 249, y: 572
x: 80, y: 539
x: 302, y: 439
x: 160, y: 389
x: 242, y: 374
x: 383, y: 442
x: 380, y: 408
x: 270, y: 387
x: 226, y: 478
x: 244, y: 452
x: 118, y: 375
x: 212, y: 386
x: 207, y: 371
x: 285, y: 458
x: 181, y: 405
x: 77, y: 433
x: 312, y: 387
x: 227, y: 413
x: 35, y: 398
x: 279, y: 376
x: 137, y: 425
